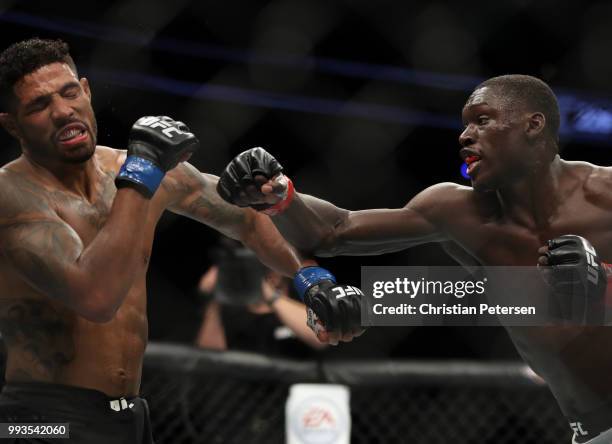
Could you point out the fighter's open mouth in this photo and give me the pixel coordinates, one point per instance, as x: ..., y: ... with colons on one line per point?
x: 471, y: 159
x: 70, y: 134
x: 472, y: 162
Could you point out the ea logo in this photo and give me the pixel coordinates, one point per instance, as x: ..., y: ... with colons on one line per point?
x: 317, y: 420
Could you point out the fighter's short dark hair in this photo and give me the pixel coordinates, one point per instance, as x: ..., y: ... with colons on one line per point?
x: 27, y: 56
x: 530, y: 92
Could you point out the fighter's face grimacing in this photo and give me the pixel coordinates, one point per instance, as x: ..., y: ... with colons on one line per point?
x: 495, y: 142
x: 52, y: 116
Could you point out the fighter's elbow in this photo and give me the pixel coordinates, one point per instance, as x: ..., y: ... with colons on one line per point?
x: 331, y: 240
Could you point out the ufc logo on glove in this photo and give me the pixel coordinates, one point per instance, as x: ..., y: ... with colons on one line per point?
x: 155, y: 122
x: 346, y: 291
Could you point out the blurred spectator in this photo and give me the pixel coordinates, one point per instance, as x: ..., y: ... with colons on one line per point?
x: 248, y: 307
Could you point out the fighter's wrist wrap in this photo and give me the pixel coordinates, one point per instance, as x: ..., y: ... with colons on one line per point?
x: 307, y: 277
x: 281, y: 206
x: 142, y: 173
x: 608, y: 295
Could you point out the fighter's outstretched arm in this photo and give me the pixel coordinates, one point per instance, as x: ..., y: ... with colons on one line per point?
x: 312, y: 224
x: 253, y: 179
x: 193, y: 194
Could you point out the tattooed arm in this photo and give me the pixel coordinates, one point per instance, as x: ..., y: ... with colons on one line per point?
x: 50, y: 256
x: 193, y: 194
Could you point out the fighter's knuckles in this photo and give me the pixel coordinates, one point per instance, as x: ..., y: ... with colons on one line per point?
x: 333, y: 338
x: 347, y: 337
x: 323, y: 336
x: 359, y: 332
x: 561, y: 241
x: 558, y: 256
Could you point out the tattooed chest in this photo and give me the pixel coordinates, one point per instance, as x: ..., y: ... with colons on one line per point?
x: 86, y: 217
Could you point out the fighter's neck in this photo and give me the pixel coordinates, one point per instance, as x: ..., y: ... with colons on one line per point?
x: 77, y: 178
x: 533, y: 201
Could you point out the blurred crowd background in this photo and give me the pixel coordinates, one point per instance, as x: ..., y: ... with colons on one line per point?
x: 359, y: 100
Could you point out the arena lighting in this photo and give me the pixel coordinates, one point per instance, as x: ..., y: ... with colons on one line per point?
x: 580, y: 116
x: 583, y: 118
x: 217, y: 52
x: 270, y: 99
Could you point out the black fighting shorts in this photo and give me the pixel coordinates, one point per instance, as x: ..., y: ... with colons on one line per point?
x: 93, y: 417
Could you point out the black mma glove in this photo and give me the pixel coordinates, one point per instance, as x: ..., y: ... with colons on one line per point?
x: 156, y: 145
x: 338, y: 307
x: 237, y: 182
x: 577, y: 276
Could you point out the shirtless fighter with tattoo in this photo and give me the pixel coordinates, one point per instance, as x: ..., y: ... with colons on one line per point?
x: 76, y: 228
x: 522, y: 195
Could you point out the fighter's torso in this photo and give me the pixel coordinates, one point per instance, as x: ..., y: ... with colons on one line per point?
x: 48, y: 342
x: 574, y: 361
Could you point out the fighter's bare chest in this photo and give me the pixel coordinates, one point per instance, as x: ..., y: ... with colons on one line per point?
x: 85, y: 216
x: 504, y: 242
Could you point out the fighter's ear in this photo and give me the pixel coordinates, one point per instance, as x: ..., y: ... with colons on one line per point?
x: 85, y: 85
x: 535, y: 124
x: 8, y: 123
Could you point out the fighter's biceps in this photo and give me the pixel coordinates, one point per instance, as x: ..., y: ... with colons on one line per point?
x: 41, y: 252
x: 419, y: 218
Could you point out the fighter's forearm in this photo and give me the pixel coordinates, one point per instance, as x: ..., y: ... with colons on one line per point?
x: 193, y: 194
x: 111, y: 262
x: 311, y: 224
x: 322, y: 229
x: 293, y: 314
x: 260, y: 235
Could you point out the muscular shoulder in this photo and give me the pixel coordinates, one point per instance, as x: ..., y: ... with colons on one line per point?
x: 597, y: 182
x: 441, y: 195
x: 448, y: 201
x: 21, y: 197
x: 110, y: 159
x: 596, y: 177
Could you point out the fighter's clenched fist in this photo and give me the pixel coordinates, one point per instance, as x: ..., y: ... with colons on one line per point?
x: 334, y: 311
x: 577, y: 276
x: 254, y: 179
x: 156, y: 145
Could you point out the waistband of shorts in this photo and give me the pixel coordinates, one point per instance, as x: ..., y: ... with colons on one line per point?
x: 591, y: 424
x: 47, y: 392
